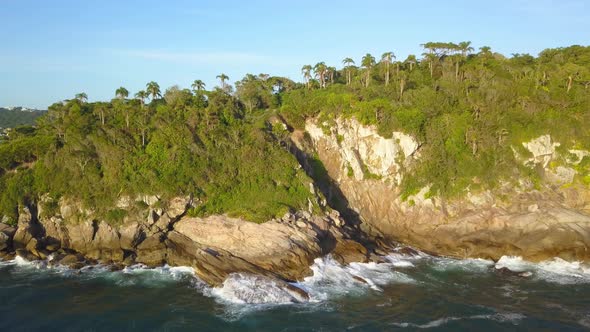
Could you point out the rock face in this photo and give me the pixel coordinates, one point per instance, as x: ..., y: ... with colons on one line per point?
x: 276, y: 248
x: 216, y: 246
x: 535, y: 224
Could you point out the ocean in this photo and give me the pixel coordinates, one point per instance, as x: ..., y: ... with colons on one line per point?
x: 409, y: 293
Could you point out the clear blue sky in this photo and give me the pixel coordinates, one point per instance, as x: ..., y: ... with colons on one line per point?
x: 50, y: 50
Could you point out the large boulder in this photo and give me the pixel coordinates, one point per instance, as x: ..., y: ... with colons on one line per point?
x: 6, y: 234
x: 218, y: 245
x: 152, y: 251
x: 27, y: 228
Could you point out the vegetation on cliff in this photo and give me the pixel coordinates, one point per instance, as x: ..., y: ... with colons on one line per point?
x: 468, y: 111
x: 206, y: 145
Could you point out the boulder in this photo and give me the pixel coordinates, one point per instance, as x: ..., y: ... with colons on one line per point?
x: 4, y: 241
x: 348, y: 251
x: 217, y: 246
x: 27, y: 228
x: 152, y: 251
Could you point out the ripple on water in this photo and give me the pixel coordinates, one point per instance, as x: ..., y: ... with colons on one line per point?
x: 513, y: 318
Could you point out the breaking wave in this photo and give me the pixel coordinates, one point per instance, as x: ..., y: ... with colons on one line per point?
x: 329, y: 279
x: 556, y: 270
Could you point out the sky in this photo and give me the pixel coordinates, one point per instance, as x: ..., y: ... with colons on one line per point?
x: 51, y: 50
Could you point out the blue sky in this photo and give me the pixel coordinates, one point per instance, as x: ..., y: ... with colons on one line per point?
x: 50, y: 50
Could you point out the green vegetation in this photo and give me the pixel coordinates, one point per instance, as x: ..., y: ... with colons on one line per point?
x: 468, y: 110
x: 206, y: 144
x: 16, y: 117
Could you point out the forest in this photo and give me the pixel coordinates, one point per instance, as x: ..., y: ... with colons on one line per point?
x: 469, y: 109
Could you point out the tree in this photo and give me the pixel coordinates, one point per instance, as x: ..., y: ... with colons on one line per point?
x: 320, y: 72
x: 430, y: 57
x: 411, y: 61
x: 121, y: 93
x: 100, y: 109
x: 465, y: 48
x: 153, y: 89
x: 306, y: 71
x: 82, y: 97
x: 141, y: 95
x: 331, y: 71
x: 348, y: 63
x: 222, y: 78
x: 368, y: 62
x: 198, y: 86
x: 403, y: 78
x: 386, y: 58
x: 485, y: 50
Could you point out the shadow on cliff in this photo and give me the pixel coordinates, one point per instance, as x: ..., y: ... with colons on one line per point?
x: 335, y: 198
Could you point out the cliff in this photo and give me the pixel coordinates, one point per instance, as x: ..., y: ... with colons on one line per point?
x: 535, y: 221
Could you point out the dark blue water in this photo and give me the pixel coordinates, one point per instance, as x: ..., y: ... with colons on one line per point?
x: 408, y: 294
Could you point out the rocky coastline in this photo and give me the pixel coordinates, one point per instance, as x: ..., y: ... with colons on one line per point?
x: 536, y: 223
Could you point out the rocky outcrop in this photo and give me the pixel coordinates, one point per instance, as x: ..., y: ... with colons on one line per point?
x: 514, y: 220
x: 277, y: 248
x: 216, y: 246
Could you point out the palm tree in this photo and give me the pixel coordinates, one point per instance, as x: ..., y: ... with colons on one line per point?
x: 121, y: 93
x: 431, y: 57
x: 198, y: 86
x: 82, y: 97
x: 100, y: 109
x: 222, y: 77
x: 368, y: 62
x: 320, y: 72
x: 331, y: 71
x: 464, y: 47
x: 411, y: 60
x: 387, y: 58
x: 153, y: 89
x: 348, y: 62
x: 141, y: 95
x: 306, y: 71
x: 485, y: 50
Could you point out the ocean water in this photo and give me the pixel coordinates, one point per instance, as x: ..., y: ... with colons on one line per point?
x: 406, y: 294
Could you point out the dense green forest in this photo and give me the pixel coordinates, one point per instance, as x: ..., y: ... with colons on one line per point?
x: 468, y: 109
x: 12, y: 118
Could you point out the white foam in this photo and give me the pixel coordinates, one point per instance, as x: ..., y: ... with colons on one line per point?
x: 556, y: 270
x: 332, y: 279
x: 467, y: 265
x: 513, y: 318
x: 241, y: 288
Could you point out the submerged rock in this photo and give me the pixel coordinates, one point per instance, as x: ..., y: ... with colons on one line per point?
x: 504, y: 271
x: 256, y: 289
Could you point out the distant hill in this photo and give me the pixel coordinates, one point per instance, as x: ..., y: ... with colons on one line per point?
x: 16, y: 116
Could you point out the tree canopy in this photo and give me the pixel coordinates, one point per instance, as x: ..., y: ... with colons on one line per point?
x: 469, y: 111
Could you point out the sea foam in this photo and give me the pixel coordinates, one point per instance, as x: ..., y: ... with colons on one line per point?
x: 555, y: 270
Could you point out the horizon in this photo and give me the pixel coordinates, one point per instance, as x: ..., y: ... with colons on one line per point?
x: 52, y: 51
